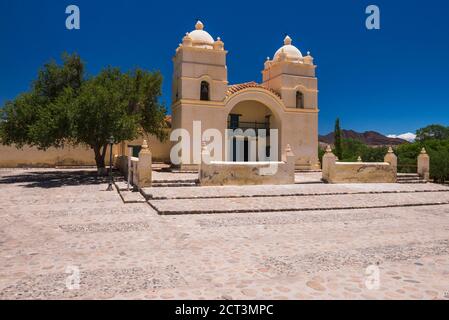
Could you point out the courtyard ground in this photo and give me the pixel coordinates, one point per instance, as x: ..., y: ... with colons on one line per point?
x: 305, y: 241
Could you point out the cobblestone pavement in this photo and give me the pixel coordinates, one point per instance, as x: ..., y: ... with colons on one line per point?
x: 55, y: 221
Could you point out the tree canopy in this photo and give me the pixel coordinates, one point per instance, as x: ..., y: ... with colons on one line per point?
x: 64, y: 106
x: 434, y: 131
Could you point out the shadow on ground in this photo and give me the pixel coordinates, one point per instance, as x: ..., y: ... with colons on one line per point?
x: 49, y: 179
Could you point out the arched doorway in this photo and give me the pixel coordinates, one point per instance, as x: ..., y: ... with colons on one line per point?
x: 250, y: 121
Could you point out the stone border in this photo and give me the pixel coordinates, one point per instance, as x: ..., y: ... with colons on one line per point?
x: 149, y: 197
x: 123, y: 193
x: 194, y: 212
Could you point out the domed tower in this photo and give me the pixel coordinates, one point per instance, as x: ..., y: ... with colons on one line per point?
x: 199, y: 68
x: 293, y: 76
x: 200, y: 83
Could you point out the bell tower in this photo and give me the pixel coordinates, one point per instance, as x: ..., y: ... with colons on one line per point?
x: 200, y: 83
x: 293, y: 76
x: 200, y: 71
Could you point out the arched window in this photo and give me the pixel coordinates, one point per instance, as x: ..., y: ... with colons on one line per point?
x: 204, y: 93
x: 299, y: 100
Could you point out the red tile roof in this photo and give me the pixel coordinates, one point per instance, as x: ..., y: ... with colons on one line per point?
x: 241, y: 86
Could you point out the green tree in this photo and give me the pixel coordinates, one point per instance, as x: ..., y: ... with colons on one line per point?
x: 352, y: 149
x: 407, y: 154
x: 338, y: 140
x: 434, y: 131
x: 65, y: 107
x: 34, y: 117
x: 438, y: 151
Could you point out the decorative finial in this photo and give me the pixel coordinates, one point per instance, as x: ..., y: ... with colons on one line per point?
x: 308, y: 53
x: 359, y: 159
x: 288, y: 148
x: 144, y: 144
x: 423, y: 151
x: 218, y: 39
x: 268, y: 58
x: 199, y: 25
x: 287, y: 40
x: 328, y: 149
x: 390, y: 150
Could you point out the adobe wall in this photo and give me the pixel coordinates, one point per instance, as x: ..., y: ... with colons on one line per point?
x: 11, y: 157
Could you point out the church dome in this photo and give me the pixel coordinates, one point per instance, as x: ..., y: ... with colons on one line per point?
x: 291, y: 52
x: 201, y: 38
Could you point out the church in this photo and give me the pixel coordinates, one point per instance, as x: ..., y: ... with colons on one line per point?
x: 286, y: 99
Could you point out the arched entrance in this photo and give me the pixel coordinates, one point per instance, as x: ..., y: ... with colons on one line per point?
x: 250, y: 122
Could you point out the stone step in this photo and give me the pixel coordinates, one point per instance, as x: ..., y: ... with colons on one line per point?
x: 174, y: 183
x: 407, y: 175
x: 280, y: 191
x: 409, y: 179
x: 412, y: 178
x: 413, y: 182
x: 294, y: 203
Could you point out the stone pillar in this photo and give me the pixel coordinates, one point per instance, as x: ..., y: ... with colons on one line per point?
x: 328, y: 161
x: 144, y: 167
x: 391, y: 158
x: 424, y: 165
x: 288, y: 156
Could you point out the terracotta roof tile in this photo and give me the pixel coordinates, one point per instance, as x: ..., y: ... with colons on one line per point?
x: 241, y: 86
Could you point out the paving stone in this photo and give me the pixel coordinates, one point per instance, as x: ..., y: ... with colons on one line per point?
x: 51, y: 220
x: 295, y: 203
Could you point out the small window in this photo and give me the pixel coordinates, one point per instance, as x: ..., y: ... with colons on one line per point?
x: 205, y: 96
x: 299, y: 100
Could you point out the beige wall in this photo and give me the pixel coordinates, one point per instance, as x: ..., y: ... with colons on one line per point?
x: 160, y: 150
x: 358, y: 172
x: 11, y: 157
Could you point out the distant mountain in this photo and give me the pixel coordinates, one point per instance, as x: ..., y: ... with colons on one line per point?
x: 371, y: 138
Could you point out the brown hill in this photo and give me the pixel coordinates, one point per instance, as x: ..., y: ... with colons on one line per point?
x: 371, y: 138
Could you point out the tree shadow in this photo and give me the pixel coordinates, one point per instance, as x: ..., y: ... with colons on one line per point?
x: 54, y: 179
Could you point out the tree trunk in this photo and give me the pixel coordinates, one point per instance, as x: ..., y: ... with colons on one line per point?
x: 99, y: 159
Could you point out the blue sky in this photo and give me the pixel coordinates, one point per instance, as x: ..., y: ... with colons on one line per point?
x: 392, y: 80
